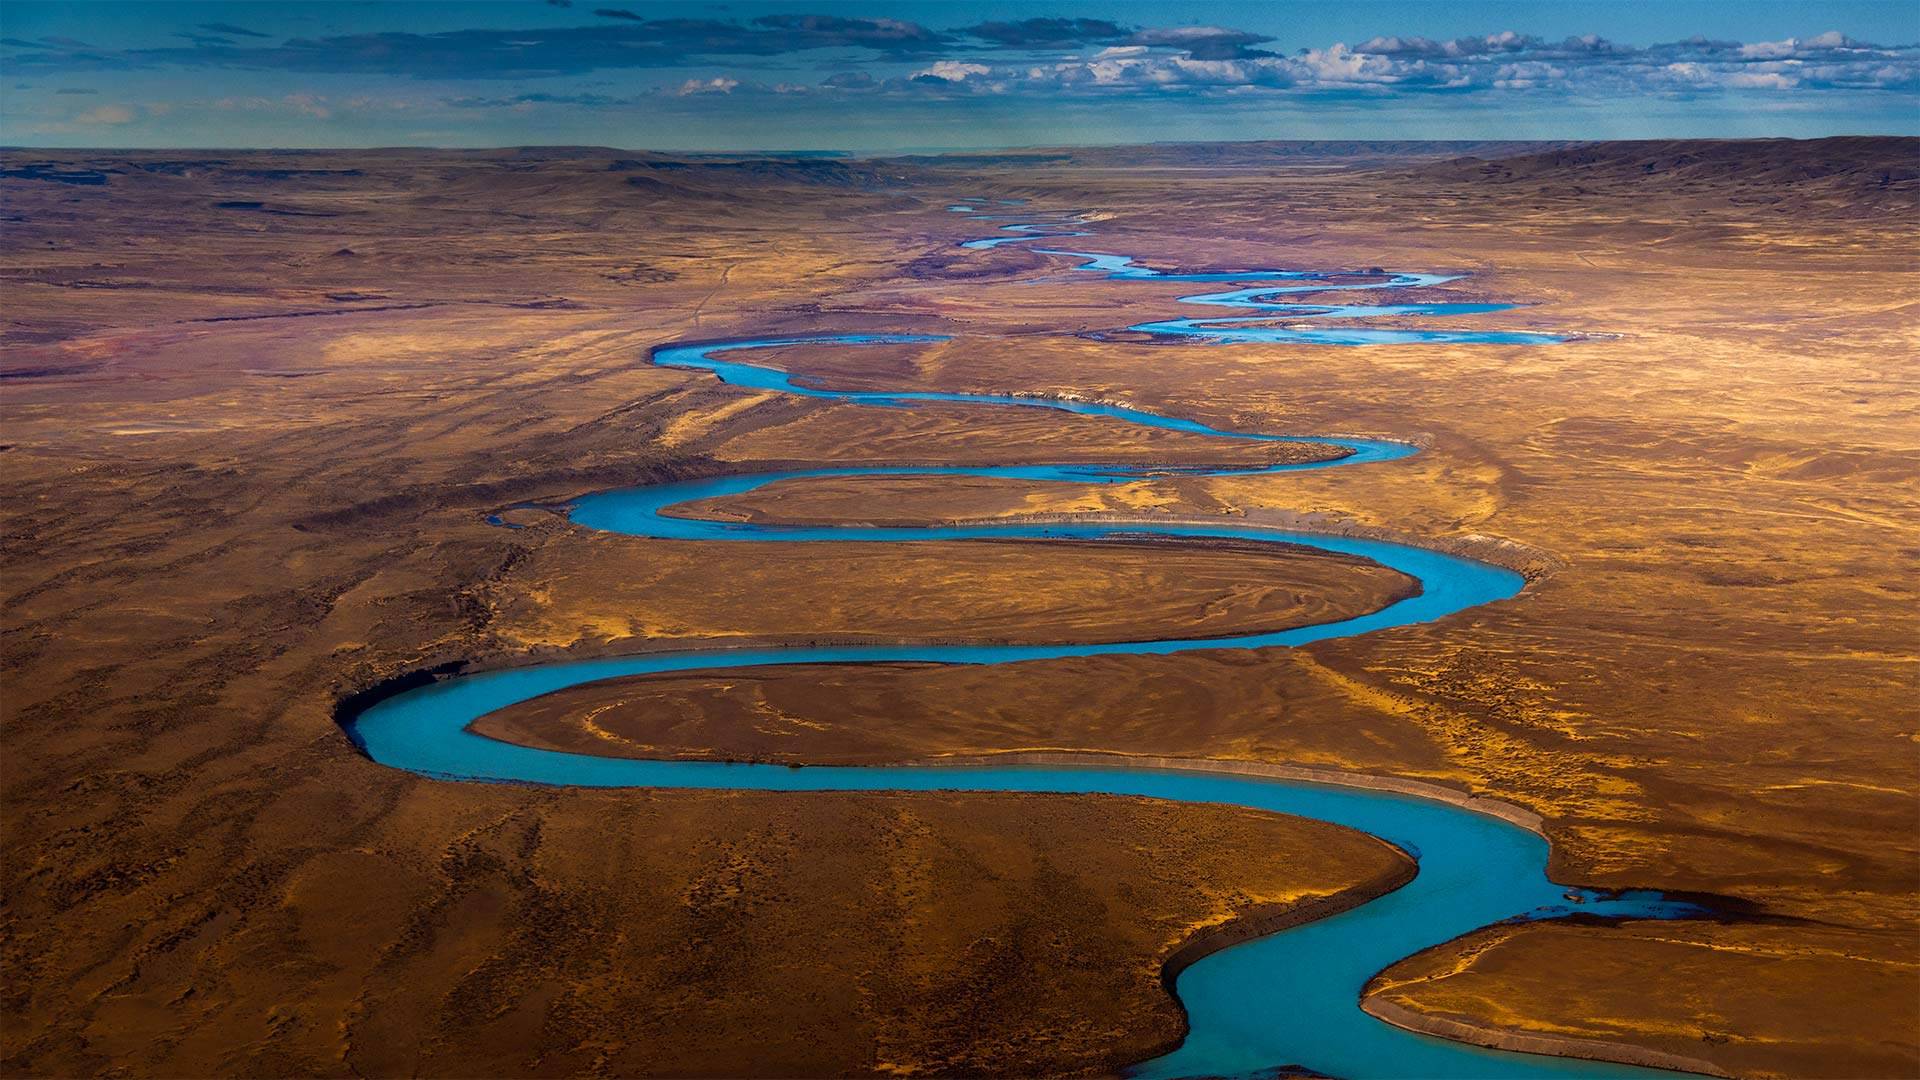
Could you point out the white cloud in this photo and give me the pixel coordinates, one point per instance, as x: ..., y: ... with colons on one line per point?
x: 1760, y: 80
x: 717, y: 85
x: 953, y: 71
x: 1831, y: 41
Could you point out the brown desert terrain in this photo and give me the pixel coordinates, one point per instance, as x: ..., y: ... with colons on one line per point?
x: 258, y: 407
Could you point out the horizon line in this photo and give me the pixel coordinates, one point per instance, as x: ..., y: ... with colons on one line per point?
x: 860, y: 155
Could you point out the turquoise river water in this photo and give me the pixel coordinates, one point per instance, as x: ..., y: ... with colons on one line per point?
x: 1288, y: 998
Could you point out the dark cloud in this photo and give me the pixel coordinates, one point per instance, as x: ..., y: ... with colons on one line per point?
x: 1195, y: 42
x: 886, y: 35
x: 1069, y: 56
x: 231, y: 30
x: 591, y: 101
x: 1236, y: 47
x: 1505, y: 42
x: 1048, y: 33
x: 559, y: 3
x: 1204, y: 42
x: 527, y: 53
x: 1589, y: 45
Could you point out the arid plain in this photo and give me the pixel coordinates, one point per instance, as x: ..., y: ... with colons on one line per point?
x: 258, y: 409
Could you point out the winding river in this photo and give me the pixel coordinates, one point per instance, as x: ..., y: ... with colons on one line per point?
x: 1287, y: 998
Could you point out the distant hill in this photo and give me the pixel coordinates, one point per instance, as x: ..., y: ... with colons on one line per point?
x: 1854, y: 177
x: 1235, y: 155
x: 1856, y: 174
x: 316, y: 183
x: 724, y: 174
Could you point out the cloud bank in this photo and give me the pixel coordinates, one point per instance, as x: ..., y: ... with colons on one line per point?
x: 836, y: 80
x: 1052, y: 55
x: 1210, y: 60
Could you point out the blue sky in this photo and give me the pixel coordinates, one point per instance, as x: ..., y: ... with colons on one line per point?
x: 881, y: 77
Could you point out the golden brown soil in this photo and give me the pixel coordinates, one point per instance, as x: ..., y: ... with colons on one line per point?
x: 213, y: 529
x: 1503, y: 979
x: 1282, y: 709
x: 475, y: 930
x: 594, y: 592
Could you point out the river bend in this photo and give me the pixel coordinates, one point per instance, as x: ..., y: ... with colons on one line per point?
x: 1290, y: 998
